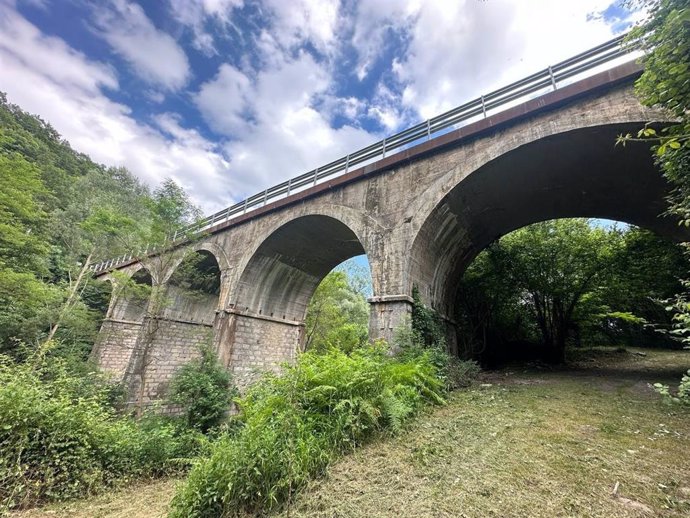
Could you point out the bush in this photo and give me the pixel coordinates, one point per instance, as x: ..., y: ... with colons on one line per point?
x: 682, y: 396
x: 203, y: 388
x: 59, y: 439
x: 294, y: 424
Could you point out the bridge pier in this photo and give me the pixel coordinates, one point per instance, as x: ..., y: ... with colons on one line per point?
x: 250, y: 343
x: 163, y: 346
x: 388, y: 313
x: 114, y: 345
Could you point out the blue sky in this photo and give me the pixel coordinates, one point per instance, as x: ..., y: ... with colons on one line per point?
x: 228, y: 97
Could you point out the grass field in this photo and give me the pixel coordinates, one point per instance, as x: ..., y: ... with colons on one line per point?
x: 589, y: 440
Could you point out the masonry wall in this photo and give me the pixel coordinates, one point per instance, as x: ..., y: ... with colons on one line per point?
x: 116, y: 342
x: 174, y: 344
x: 258, y: 345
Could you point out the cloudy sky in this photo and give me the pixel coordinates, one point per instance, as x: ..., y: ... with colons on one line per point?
x: 228, y: 97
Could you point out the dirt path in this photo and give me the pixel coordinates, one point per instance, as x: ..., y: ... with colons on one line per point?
x: 524, y: 442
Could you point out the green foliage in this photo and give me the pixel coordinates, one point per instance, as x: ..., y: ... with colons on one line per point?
x: 60, y: 438
x: 567, y: 281
x: 198, y: 273
x: 427, y: 323
x: 59, y: 209
x: 338, y: 315
x: 294, y: 424
x: 170, y: 209
x: 682, y: 395
x: 203, y: 389
x: 665, y: 82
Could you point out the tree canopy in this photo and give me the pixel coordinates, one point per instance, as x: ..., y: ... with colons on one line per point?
x: 568, y: 281
x: 58, y: 211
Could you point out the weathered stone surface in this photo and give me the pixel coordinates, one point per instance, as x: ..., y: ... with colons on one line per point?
x: 113, y: 349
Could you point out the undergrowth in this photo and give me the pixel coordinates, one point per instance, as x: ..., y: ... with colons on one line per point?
x: 61, y: 438
x: 294, y: 424
x: 682, y: 394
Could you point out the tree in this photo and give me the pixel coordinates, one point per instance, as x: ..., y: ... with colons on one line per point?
x: 52, y: 200
x: 172, y: 210
x: 489, y: 309
x: 338, y: 315
x: 203, y: 387
x: 551, y: 267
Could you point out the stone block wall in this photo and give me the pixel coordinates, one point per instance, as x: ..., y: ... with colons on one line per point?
x: 260, y: 344
x: 115, y: 345
x: 174, y: 344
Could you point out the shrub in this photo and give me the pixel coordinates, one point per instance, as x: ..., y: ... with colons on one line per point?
x: 59, y: 439
x: 682, y: 395
x: 203, y: 388
x: 294, y: 424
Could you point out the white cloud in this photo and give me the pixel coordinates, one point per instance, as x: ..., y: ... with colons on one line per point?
x: 196, y: 14
x: 153, y: 54
x: 285, y: 134
x: 371, y: 25
x: 461, y: 49
x: 300, y: 21
x: 276, y: 119
x: 62, y: 65
x: 225, y: 101
x: 43, y: 75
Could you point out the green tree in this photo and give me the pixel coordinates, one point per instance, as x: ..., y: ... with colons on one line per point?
x: 552, y: 268
x: 53, y: 203
x: 338, y: 315
x: 204, y: 390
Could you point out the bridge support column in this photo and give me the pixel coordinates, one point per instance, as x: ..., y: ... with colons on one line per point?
x: 113, y: 349
x: 388, y: 313
x: 250, y: 343
x: 163, y: 345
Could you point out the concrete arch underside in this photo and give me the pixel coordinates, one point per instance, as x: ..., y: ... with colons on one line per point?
x: 578, y: 173
x: 282, y: 275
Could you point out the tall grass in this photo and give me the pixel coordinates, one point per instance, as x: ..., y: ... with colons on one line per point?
x: 294, y: 424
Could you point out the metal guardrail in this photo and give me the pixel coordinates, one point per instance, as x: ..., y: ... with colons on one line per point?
x: 522, y: 89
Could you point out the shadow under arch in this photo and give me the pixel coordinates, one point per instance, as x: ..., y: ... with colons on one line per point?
x: 131, y: 301
x: 579, y: 173
x: 281, y: 276
x: 193, y: 287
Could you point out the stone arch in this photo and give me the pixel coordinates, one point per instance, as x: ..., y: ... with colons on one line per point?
x: 193, y: 286
x: 279, y: 277
x: 208, y: 246
x: 576, y: 173
x: 129, y: 304
x: 619, y: 108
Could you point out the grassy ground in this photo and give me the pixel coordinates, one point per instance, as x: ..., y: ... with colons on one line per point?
x: 590, y: 440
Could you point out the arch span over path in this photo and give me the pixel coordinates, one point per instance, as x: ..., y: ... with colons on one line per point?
x: 578, y: 173
x: 282, y: 275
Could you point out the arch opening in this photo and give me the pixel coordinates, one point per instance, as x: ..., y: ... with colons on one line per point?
x: 282, y: 275
x: 579, y: 173
x: 97, y: 296
x: 553, y: 288
x: 193, y: 289
x: 132, y: 297
x: 338, y: 311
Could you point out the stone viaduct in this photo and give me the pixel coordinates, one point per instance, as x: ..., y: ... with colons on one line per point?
x: 420, y: 216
